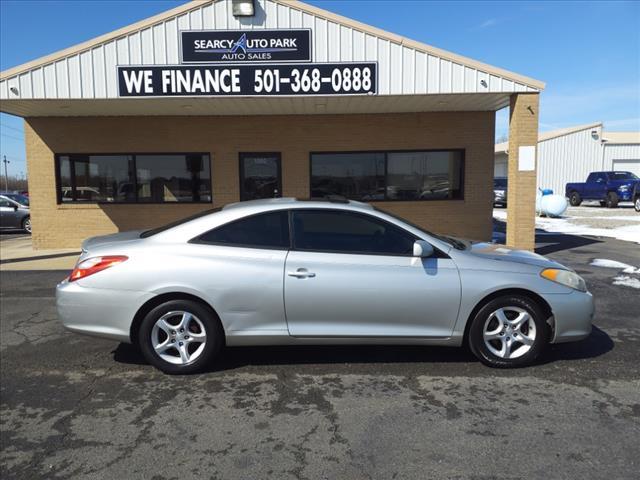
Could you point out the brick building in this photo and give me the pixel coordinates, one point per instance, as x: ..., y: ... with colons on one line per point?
x: 226, y: 100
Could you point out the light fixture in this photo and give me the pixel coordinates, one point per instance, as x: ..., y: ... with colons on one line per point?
x: 242, y: 8
x: 594, y: 134
x: 14, y: 90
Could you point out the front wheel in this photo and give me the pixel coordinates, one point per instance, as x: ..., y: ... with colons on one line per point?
x: 612, y: 200
x: 180, y: 337
x: 509, y: 331
x: 636, y: 203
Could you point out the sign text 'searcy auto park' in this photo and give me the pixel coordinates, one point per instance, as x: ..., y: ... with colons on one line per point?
x: 248, y: 80
x: 230, y: 46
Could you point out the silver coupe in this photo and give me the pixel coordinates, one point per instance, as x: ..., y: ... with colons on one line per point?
x: 287, y: 271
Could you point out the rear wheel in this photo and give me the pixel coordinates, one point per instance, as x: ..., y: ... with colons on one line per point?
x: 636, y: 203
x: 509, y: 331
x: 180, y: 336
x: 612, y: 200
x: 574, y: 199
x: 26, y: 224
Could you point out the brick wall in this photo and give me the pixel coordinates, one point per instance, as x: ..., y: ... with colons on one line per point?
x: 57, y: 226
x: 521, y: 195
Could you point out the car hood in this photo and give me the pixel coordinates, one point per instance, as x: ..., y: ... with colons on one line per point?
x: 104, y: 240
x: 492, y: 251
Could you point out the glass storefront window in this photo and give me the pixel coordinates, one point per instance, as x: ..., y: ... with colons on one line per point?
x: 370, y: 176
x: 157, y: 178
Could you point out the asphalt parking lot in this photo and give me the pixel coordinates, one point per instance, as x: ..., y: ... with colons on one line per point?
x: 76, y: 407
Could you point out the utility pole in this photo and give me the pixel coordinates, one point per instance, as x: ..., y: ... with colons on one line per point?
x: 6, y: 177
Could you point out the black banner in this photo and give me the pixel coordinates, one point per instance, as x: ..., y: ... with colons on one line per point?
x: 229, y: 46
x: 248, y: 80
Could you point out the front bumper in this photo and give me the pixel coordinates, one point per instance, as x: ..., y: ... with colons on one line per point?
x: 572, y: 315
x: 625, y: 196
x: 98, y: 312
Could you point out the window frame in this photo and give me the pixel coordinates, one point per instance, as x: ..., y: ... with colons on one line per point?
x: 386, y: 170
x: 72, y: 173
x: 241, y: 177
x: 197, y: 240
x: 347, y: 252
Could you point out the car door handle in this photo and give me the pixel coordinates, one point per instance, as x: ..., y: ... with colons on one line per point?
x: 301, y: 274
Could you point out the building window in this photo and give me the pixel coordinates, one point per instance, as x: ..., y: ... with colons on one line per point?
x: 146, y: 178
x: 371, y: 176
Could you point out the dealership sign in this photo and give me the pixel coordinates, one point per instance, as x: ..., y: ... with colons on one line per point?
x: 248, y: 80
x: 229, y: 46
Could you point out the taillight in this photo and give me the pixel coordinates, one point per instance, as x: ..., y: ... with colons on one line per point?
x: 94, y: 265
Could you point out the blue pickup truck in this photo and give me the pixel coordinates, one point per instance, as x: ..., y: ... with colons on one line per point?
x: 607, y: 187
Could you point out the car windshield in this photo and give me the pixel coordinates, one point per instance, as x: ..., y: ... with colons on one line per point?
x: 499, y: 183
x: 454, y: 242
x: 155, y: 231
x: 16, y: 197
x: 622, y: 176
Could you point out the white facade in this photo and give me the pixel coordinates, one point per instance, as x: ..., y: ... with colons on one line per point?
x: 405, y: 67
x: 570, y: 154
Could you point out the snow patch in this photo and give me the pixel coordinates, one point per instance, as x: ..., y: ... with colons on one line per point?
x: 605, y: 263
x: 627, y: 281
x: 629, y: 233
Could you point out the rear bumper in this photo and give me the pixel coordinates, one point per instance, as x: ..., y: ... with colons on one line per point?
x: 572, y: 315
x: 98, y: 312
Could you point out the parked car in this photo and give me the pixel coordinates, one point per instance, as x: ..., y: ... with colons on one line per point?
x: 500, y: 192
x: 293, y: 272
x: 17, y: 197
x: 14, y: 212
x: 607, y: 187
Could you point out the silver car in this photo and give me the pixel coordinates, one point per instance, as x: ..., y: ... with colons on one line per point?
x: 295, y: 272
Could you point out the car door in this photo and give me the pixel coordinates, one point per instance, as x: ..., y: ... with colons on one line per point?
x: 246, y: 259
x: 353, y: 275
x: 596, y: 188
x: 8, y: 213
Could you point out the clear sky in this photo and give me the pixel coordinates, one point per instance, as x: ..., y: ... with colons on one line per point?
x: 588, y: 53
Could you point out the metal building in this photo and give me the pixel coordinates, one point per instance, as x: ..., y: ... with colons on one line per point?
x: 570, y: 154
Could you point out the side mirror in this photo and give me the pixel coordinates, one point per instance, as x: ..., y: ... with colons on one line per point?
x: 15, y: 208
x: 422, y: 249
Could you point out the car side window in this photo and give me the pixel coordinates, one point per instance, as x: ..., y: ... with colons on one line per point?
x: 348, y: 232
x: 265, y: 230
x: 5, y: 203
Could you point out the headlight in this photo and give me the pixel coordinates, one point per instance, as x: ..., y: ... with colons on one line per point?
x: 566, y: 278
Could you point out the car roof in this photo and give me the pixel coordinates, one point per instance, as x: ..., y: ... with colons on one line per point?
x: 291, y: 202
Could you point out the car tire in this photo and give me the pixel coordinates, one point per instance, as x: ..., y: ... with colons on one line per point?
x: 497, y: 340
x: 171, y: 337
x: 612, y: 200
x: 574, y: 199
x: 26, y: 225
x: 636, y: 203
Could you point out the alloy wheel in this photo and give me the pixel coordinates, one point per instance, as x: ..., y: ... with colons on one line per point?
x: 178, y: 337
x: 27, y: 225
x: 509, y: 332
